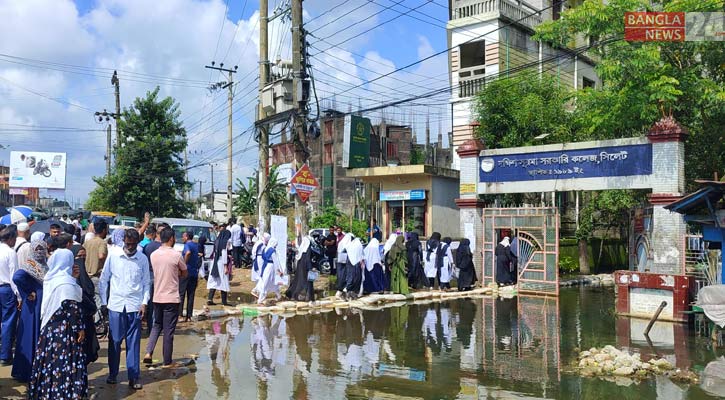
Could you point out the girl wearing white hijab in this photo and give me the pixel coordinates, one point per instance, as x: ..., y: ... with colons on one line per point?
x: 257, y: 253
x: 270, y: 268
x: 59, y: 369
x: 374, y: 276
x: 355, y: 264
x: 301, y: 287
x: 342, y: 264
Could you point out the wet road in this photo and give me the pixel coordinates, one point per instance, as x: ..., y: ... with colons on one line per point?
x: 522, y: 347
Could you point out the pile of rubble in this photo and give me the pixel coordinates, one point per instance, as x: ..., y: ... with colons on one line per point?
x: 611, y: 362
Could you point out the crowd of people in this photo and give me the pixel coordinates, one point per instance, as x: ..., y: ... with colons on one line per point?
x: 396, y: 266
x: 56, y: 285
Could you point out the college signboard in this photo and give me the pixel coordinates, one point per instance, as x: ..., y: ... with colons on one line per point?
x: 612, y: 164
x: 304, y: 183
x: 356, y: 142
x: 34, y: 169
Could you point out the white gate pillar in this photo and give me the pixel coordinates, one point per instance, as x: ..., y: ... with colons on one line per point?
x: 668, y: 185
x: 471, y: 214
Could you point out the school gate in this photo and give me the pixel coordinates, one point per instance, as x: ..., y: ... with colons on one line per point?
x: 655, y: 161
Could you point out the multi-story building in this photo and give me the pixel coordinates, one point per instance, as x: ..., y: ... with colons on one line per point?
x: 390, y: 144
x: 492, y: 39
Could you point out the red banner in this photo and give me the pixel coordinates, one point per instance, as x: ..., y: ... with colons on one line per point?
x: 304, y: 183
x: 654, y: 26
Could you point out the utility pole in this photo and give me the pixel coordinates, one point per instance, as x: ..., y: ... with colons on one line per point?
x: 230, y: 86
x: 263, y: 219
x: 117, y: 93
x: 107, y: 116
x: 212, y: 179
x: 187, y: 193
x: 299, y: 60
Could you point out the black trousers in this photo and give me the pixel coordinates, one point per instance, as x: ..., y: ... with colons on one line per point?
x: 213, y: 291
x: 167, y: 315
x: 150, y: 310
x: 237, y: 254
x: 187, y: 287
x: 311, y: 290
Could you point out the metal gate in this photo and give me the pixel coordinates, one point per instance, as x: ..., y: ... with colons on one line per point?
x: 536, y: 231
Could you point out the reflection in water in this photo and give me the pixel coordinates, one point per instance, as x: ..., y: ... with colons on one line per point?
x: 462, y: 349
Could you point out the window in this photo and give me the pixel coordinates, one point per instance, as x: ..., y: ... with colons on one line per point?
x: 328, y: 130
x: 556, y: 9
x: 392, y: 151
x: 328, y: 154
x: 588, y: 83
x: 472, y: 54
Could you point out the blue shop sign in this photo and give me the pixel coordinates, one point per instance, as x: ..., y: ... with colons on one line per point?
x: 398, y: 195
x: 567, y: 164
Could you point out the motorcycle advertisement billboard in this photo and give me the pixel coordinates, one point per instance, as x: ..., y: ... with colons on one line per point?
x: 35, y: 169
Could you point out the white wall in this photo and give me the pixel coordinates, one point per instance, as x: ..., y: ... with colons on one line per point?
x: 446, y: 218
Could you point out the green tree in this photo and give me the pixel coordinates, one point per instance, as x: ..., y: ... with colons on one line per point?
x: 513, y: 112
x: 246, y: 202
x: 642, y: 81
x: 148, y: 174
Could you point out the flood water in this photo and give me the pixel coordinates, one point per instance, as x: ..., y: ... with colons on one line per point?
x: 521, y: 348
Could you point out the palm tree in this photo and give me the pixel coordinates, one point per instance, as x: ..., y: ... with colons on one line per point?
x: 246, y: 202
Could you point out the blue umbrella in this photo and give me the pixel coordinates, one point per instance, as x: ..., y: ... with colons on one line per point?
x: 17, y: 214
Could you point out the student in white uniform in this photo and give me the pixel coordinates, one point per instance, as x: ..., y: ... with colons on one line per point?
x: 429, y: 258
x: 444, y: 262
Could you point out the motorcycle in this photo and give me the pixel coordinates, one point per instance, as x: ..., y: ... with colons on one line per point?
x: 318, y: 258
x: 246, y: 257
x: 42, y: 168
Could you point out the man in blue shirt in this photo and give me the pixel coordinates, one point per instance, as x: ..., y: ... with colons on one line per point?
x: 126, y: 276
x: 187, y: 286
x: 374, y: 231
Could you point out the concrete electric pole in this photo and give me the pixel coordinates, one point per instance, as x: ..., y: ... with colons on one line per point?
x: 299, y: 74
x: 101, y: 115
x: 263, y: 219
x: 117, y: 94
x: 230, y: 86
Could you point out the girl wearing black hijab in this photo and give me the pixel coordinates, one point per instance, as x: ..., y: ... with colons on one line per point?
x: 416, y: 275
x: 220, y: 272
x: 431, y: 255
x: 464, y: 261
x: 88, y: 304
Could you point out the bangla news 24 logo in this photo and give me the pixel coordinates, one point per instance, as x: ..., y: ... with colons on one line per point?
x: 674, y: 26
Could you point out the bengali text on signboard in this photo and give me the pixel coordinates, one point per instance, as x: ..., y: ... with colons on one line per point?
x: 627, y: 160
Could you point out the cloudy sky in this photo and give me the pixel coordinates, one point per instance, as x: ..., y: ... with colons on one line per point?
x: 57, y: 57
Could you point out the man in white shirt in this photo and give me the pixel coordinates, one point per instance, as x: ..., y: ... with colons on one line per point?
x: 127, y: 275
x: 22, y: 243
x: 9, y: 298
x: 236, y: 230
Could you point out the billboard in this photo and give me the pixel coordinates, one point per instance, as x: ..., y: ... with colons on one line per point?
x: 35, y: 169
x: 356, y: 142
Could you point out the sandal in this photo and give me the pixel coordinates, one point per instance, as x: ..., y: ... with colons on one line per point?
x: 148, y: 360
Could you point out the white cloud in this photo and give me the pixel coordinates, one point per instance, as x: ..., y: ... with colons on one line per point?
x: 174, y: 39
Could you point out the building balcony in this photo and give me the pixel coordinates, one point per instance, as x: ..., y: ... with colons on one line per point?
x: 469, y: 87
x: 484, y: 10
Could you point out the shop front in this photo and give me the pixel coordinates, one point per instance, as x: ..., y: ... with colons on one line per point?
x: 413, y: 198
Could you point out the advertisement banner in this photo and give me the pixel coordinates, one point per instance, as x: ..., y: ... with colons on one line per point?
x: 34, y: 169
x: 19, y: 191
x: 628, y: 160
x: 398, y: 195
x: 356, y: 142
